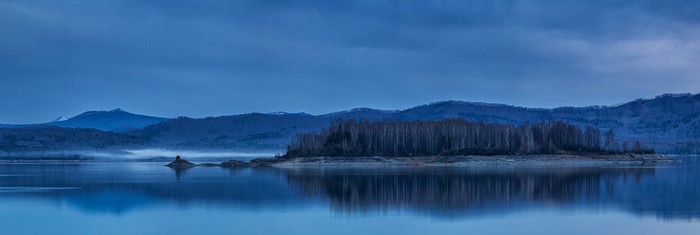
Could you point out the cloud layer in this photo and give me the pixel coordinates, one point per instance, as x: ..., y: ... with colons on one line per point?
x: 206, y: 58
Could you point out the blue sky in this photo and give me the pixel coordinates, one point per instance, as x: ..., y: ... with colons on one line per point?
x: 208, y: 58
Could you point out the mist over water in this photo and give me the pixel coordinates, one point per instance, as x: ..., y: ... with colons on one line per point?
x: 192, y: 154
x: 154, y: 154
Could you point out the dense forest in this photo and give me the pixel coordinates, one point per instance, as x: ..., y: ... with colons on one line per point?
x: 454, y: 137
x: 60, y: 138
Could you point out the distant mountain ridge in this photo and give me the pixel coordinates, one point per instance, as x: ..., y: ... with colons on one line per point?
x: 116, y: 120
x: 669, y: 123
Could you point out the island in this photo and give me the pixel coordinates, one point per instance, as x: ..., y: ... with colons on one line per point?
x: 453, y: 142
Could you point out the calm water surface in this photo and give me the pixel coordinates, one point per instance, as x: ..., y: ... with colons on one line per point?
x: 148, y: 198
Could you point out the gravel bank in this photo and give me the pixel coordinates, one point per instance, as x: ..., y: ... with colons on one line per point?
x: 470, y: 160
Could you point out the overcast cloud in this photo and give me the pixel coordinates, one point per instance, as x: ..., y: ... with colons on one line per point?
x: 207, y: 58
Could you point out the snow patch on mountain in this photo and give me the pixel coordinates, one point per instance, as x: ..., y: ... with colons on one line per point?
x: 60, y: 119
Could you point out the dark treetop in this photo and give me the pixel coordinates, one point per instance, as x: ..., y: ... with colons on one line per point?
x: 452, y: 137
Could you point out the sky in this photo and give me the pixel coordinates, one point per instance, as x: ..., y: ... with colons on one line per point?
x: 209, y: 58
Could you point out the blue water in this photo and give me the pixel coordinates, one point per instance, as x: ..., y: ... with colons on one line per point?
x: 148, y: 198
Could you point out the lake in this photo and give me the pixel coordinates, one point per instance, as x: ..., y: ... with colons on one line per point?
x: 148, y: 198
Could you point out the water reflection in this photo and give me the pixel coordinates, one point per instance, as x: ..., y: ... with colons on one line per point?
x: 121, y: 187
x: 668, y: 192
x: 458, y: 191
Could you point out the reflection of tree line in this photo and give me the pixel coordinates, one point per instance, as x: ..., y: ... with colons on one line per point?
x: 455, y: 190
x: 671, y: 193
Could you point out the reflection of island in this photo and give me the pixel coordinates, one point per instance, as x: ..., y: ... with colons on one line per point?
x: 669, y: 194
x: 118, y: 188
x: 455, y: 190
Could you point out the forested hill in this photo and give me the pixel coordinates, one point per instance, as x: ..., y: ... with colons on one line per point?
x: 47, y: 138
x: 667, y: 123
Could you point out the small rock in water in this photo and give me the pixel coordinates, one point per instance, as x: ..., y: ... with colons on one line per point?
x: 180, y: 163
x: 235, y: 163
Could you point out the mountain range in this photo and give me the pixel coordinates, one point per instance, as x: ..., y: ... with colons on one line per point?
x: 116, y: 120
x: 669, y: 123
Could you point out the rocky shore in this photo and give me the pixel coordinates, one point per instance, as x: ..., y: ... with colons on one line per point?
x: 469, y: 160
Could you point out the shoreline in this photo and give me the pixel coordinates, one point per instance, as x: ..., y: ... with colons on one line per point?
x: 467, y: 160
x: 381, y: 161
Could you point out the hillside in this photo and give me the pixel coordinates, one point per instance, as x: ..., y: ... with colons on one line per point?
x: 116, y: 120
x: 667, y: 123
x: 245, y: 131
x: 42, y: 138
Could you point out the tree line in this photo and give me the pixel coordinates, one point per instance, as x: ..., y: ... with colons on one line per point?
x: 451, y: 137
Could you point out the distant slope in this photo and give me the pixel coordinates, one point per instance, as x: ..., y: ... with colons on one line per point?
x: 43, y: 138
x: 245, y: 131
x: 116, y: 120
x: 669, y: 123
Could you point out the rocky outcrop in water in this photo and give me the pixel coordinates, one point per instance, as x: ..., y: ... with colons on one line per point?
x: 180, y: 163
x: 234, y: 163
x: 267, y: 161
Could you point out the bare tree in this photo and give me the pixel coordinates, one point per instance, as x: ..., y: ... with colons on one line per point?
x: 448, y: 137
